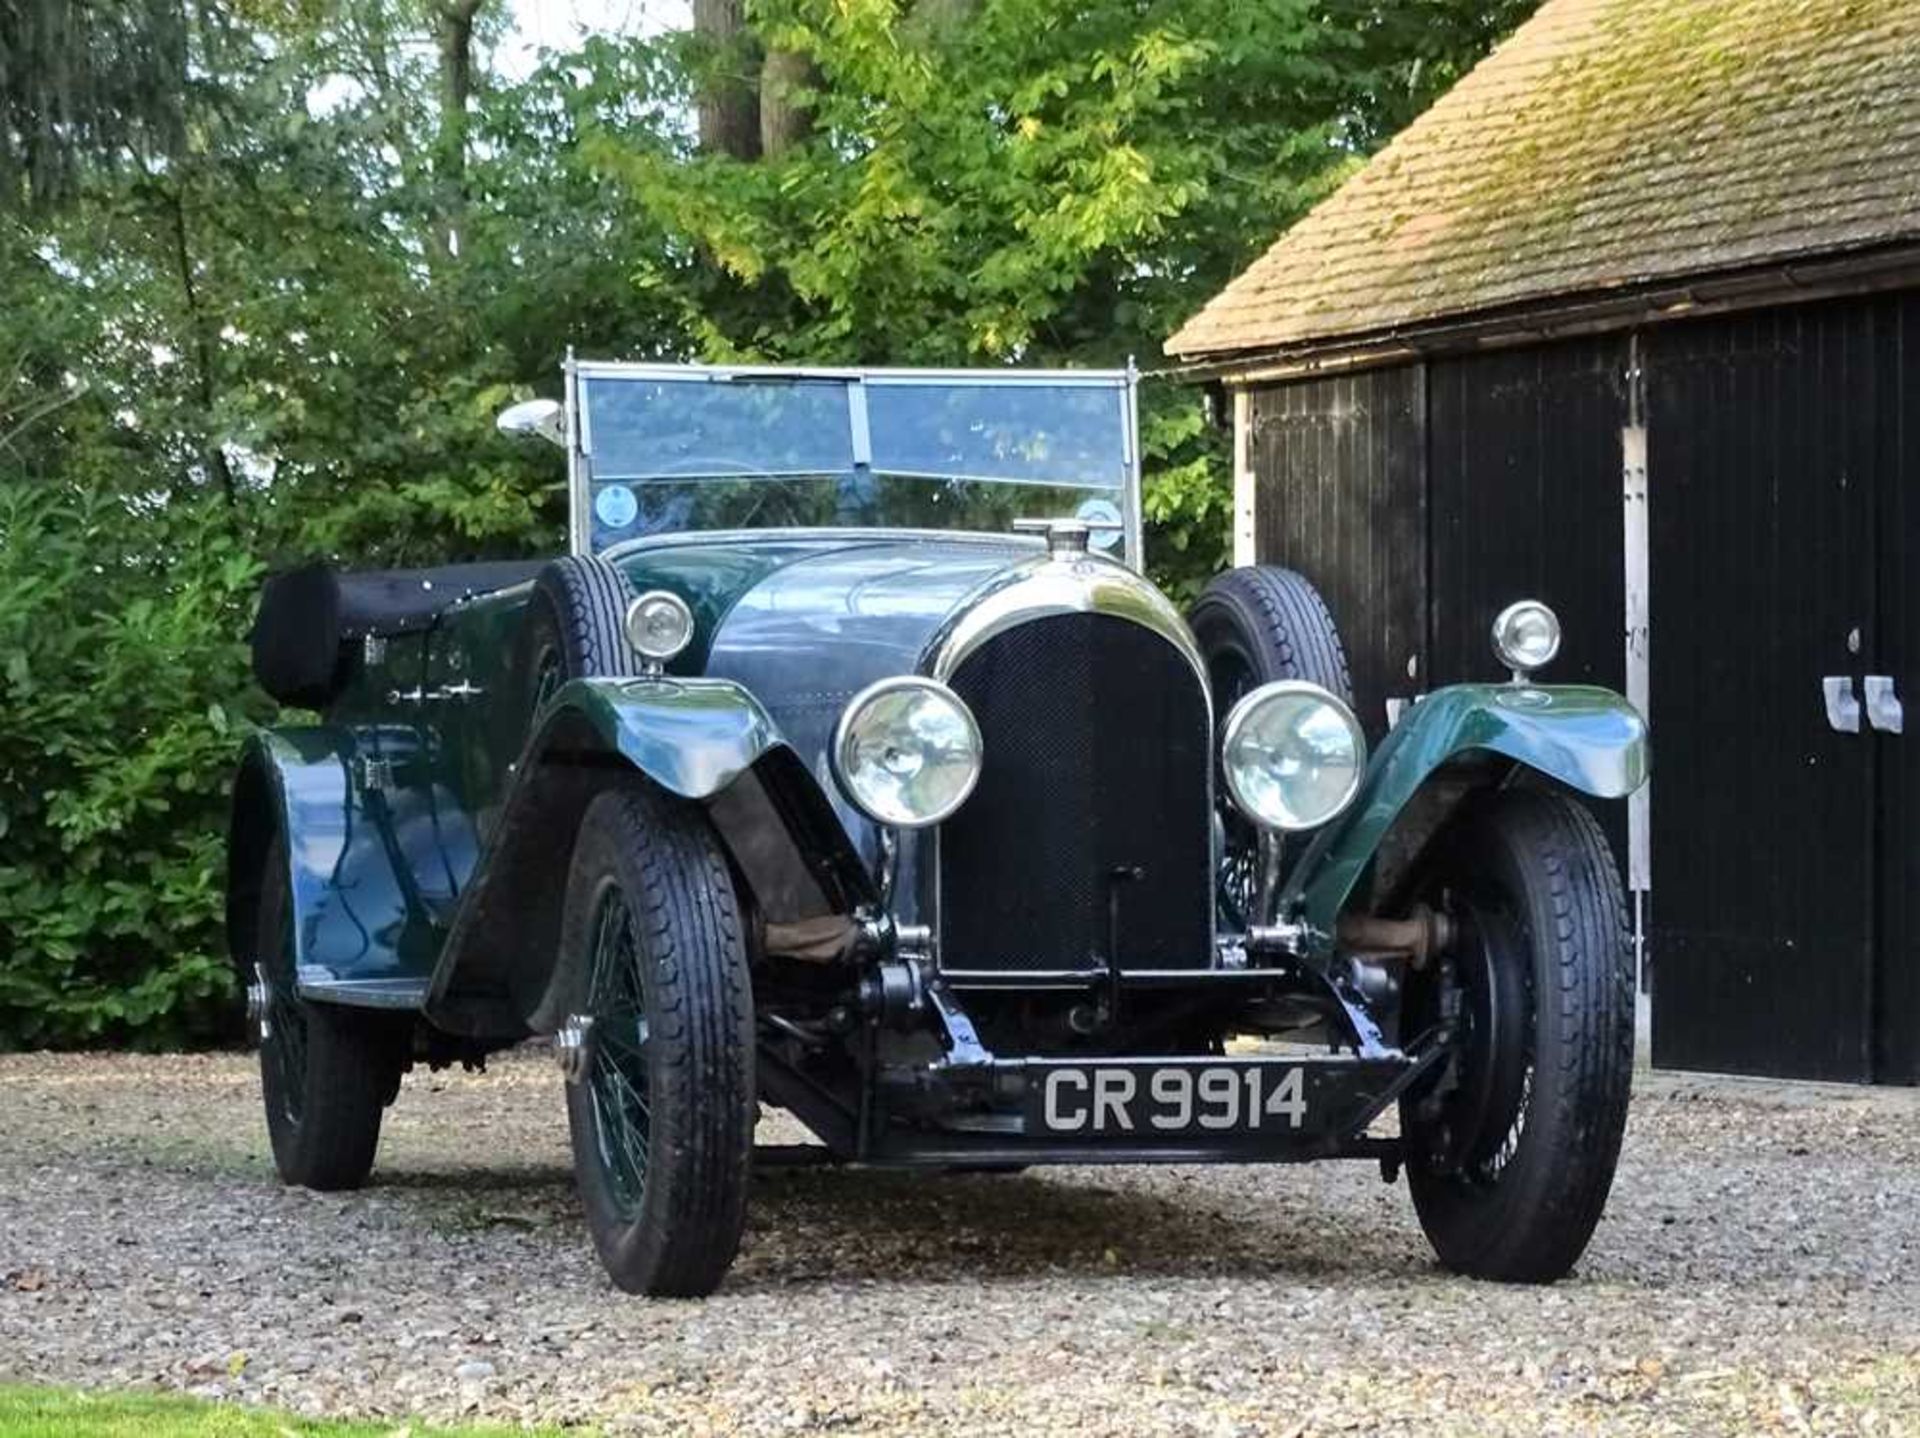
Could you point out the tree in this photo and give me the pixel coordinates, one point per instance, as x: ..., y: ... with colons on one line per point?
x: 241, y: 331
x: 82, y: 82
x: 727, y: 79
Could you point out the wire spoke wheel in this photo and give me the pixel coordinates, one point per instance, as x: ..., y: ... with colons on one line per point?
x: 659, y: 1053
x: 617, y: 1064
x: 1476, y: 1121
x: 1232, y: 676
x: 1511, y: 1145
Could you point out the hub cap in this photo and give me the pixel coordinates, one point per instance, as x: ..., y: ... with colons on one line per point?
x: 573, y: 1045
x: 1473, y: 1126
x: 259, y: 1002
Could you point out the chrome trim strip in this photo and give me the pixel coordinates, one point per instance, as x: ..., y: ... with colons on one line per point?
x: 1136, y: 537
x: 652, y: 369
x: 319, y: 985
x: 676, y: 539
x: 579, y: 530
x: 861, y: 426
x: 1045, y: 586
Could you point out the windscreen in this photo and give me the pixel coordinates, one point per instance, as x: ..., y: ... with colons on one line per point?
x: 669, y: 453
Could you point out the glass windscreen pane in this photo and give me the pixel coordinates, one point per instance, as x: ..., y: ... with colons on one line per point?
x: 1014, y: 433
x: 669, y: 454
x: 681, y: 429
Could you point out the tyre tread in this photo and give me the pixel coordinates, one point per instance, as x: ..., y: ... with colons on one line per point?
x: 590, y: 600
x: 701, y: 1005
x: 1286, y: 618
x: 1533, y: 1227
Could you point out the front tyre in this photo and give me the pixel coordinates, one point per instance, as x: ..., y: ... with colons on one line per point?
x: 326, y: 1072
x: 1511, y: 1152
x: 660, y: 1098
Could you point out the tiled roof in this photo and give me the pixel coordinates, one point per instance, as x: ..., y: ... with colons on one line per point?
x: 1607, y: 144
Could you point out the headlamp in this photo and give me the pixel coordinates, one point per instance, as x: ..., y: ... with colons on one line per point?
x: 1292, y: 754
x: 906, y: 752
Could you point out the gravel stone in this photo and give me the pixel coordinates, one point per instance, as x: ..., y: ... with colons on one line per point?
x: 1755, y: 1273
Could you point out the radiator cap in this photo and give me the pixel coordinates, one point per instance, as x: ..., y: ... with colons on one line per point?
x: 1066, y: 536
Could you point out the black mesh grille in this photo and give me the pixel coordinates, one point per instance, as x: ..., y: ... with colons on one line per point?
x: 1097, y: 757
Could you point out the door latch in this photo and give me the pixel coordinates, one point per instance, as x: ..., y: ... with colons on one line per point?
x: 1843, y: 708
x: 1883, y: 705
x: 374, y: 773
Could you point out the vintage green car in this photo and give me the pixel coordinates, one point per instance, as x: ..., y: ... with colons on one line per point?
x: 848, y: 764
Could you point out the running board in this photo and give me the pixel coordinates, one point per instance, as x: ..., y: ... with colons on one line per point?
x: 321, y: 988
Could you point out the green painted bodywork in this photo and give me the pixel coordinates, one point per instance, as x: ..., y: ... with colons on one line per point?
x: 692, y: 737
x: 393, y: 806
x: 377, y: 873
x: 354, y: 857
x: 1589, y: 739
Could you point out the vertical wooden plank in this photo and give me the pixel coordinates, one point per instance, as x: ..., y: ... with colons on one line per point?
x: 1339, y: 481
x: 1896, y: 654
x: 1525, y: 488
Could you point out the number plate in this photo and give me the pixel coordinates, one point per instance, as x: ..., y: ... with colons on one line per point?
x: 1142, y: 1100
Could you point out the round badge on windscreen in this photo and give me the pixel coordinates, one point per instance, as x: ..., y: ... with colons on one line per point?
x: 1102, y: 512
x: 616, y: 507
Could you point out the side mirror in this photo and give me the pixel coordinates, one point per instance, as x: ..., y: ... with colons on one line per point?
x: 546, y: 418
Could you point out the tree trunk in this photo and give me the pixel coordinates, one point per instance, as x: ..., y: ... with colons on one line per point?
x: 728, y: 104
x: 455, y: 23
x: 786, y: 115
x: 200, y: 327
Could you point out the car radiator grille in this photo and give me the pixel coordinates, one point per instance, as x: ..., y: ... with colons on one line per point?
x: 1097, y: 758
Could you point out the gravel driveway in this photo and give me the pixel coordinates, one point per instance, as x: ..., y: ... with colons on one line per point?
x: 1757, y: 1271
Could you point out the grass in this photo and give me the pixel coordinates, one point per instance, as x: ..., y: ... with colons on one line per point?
x: 65, y: 1413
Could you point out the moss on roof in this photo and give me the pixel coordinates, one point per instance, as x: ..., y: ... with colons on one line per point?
x: 1608, y: 143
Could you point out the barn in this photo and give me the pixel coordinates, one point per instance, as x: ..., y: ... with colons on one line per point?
x: 1630, y: 321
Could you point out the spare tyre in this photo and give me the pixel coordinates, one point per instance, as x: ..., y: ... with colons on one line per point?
x: 1257, y: 624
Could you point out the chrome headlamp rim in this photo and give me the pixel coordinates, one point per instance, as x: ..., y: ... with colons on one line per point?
x: 844, y: 734
x: 1241, y: 714
x: 635, y: 630
x: 1505, y: 643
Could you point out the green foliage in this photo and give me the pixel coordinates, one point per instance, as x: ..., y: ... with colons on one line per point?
x: 1041, y: 185
x: 120, y: 623
x: 244, y: 337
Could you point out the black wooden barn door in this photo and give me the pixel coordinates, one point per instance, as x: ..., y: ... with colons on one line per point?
x: 1338, y: 465
x: 1524, y: 484
x: 1761, y: 484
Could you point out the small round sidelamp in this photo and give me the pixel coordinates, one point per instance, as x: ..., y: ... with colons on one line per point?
x: 1526, y: 635
x: 659, y: 625
x: 1293, y: 755
x: 906, y: 752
